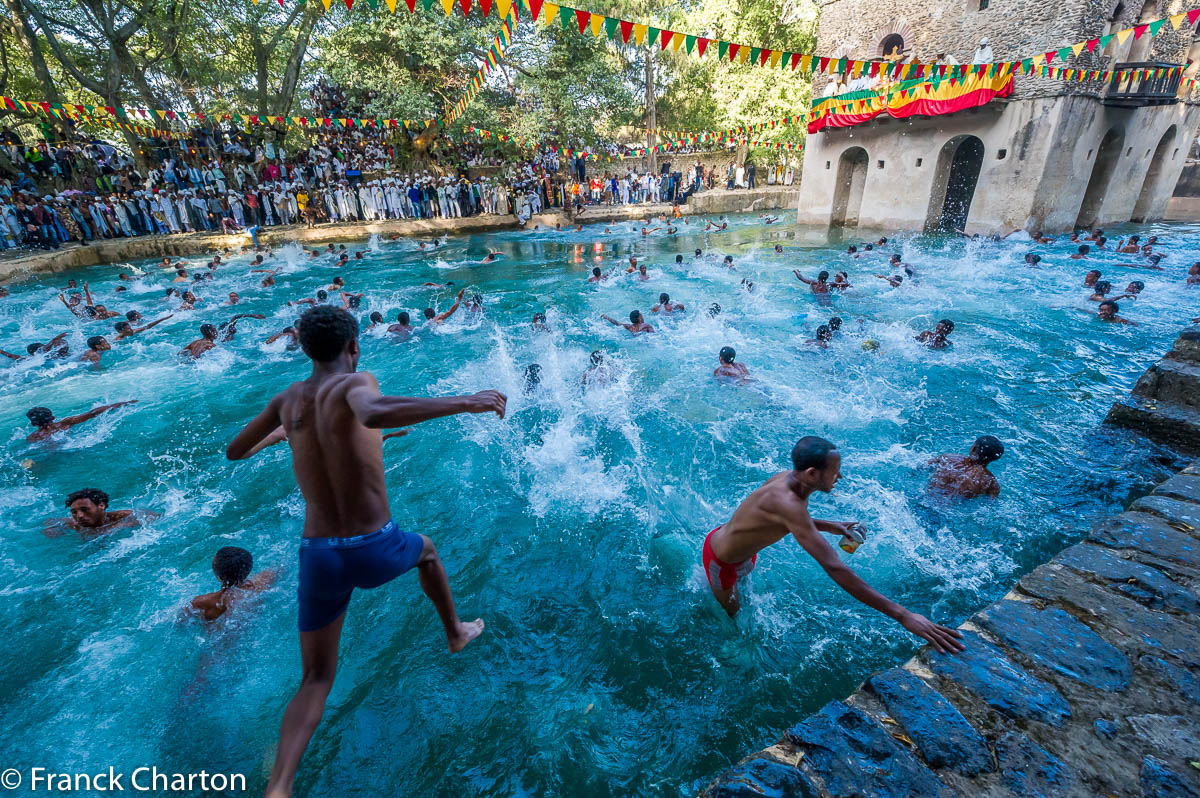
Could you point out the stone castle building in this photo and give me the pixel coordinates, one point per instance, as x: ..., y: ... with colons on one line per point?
x: 1054, y: 155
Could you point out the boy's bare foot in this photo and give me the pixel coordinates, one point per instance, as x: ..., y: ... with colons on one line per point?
x: 466, y: 633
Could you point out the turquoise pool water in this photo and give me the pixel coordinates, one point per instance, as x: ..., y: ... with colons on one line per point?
x: 574, y: 525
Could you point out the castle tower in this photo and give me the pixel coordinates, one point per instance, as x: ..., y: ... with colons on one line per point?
x: 1053, y: 155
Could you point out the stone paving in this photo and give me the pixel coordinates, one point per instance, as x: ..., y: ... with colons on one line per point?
x: 1083, y: 681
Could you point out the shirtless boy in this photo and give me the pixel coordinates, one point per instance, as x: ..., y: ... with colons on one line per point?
x: 780, y: 508
x: 968, y: 477
x: 46, y: 425
x: 231, y: 565
x: 333, y: 422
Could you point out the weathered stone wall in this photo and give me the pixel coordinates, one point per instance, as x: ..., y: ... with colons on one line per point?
x: 1016, y: 29
x: 1038, y: 160
x: 1084, y: 681
x: 720, y: 159
x: 1165, y: 402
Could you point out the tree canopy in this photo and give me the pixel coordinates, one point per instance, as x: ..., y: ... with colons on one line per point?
x: 225, y: 56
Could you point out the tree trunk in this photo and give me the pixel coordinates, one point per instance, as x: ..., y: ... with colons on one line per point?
x: 291, y: 72
x: 33, y: 48
x: 651, y: 115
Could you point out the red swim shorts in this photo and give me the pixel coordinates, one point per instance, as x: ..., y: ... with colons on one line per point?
x: 723, y: 573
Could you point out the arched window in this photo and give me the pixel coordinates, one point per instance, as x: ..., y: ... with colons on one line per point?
x: 892, y: 46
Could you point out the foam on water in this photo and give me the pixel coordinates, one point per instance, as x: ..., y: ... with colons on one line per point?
x: 573, y: 525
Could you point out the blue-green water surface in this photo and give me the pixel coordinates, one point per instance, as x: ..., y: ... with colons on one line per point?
x: 574, y: 525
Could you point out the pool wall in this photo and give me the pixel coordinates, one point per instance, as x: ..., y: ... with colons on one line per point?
x: 1165, y: 403
x: 121, y: 250
x: 1083, y: 680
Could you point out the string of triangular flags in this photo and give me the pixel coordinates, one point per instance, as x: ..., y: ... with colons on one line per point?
x: 719, y: 136
x: 89, y: 113
x: 623, y: 30
x: 105, y: 114
x: 526, y: 143
x: 494, y: 54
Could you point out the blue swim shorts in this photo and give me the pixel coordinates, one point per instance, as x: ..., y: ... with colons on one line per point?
x: 330, y: 569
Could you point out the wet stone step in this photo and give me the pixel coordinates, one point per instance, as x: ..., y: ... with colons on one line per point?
x: 1162, y: 421
x: 945, y: 738
x: 1172, y: 382
x: 1054, y: 639
x: 763, y: 777
x: 1030, y: 771
x: 1002, y: 684
x: 852, y: 755
x: 1181, y: 486
x: 1160, y: 780
x: 1181, y: 680
x: 1176, y: 511
x: 1138, y: 581
x: 1147, y: 533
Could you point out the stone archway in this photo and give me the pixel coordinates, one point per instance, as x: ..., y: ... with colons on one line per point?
x: 1145, y: 201
x: 954, y: 181
x: 848, y: 190
x: 898, y: 31
x: 1107, y: 157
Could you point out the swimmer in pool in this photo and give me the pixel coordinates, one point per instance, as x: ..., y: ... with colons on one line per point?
x: 780, y: 508
x: 97, y: 345
x: 1084, y: 249
x: 91, y: 517
x: 539, y: 323
x: 646, y: 232
x: 770, y: 220
x: 643, y: 275
x: 719, y: 225
x: 1132, y: 291
x: 46, y: 425
x: 728, y: 368
x: 233, y: 299
x: 597, y: 277
x: 819, y: 285
x: 322, y: 297
x: 1100, y: 291
x: 491, y: 257
x: 288, y: 332
x: 402, y: 326
x: 637, y: 324
x: 894, y: 280
x: 666, y: 306
x: 376, y: 319
x: 432, y: 317
x: 231, y: 565
x: 633, y: 265
x: 728, y: 263
x: 968, y: 477
x: 1091, y: 278
x: 54, y: 349
x: 1194, y: 274
x: 208, y: 335
x: 824, y: 336
x: 938, y: 337
x: 1132, y: 248
x: 127, y: 330
x: 599, y: 372
x: 1108, y: 312
x: 841, y: 282
x: 779, y: 249
x: 333, y: 422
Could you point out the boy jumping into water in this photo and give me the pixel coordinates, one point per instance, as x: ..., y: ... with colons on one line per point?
x: 780, y: 507
x: 332, y: 421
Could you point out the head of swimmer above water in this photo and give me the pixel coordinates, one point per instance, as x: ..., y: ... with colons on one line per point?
x: 816, y: 465
x: 231, y: 565
x: 88, y: 507
x: 40, y: 416
x: 635, y: 317
x: 727, y: 354
x: 986, y: 449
